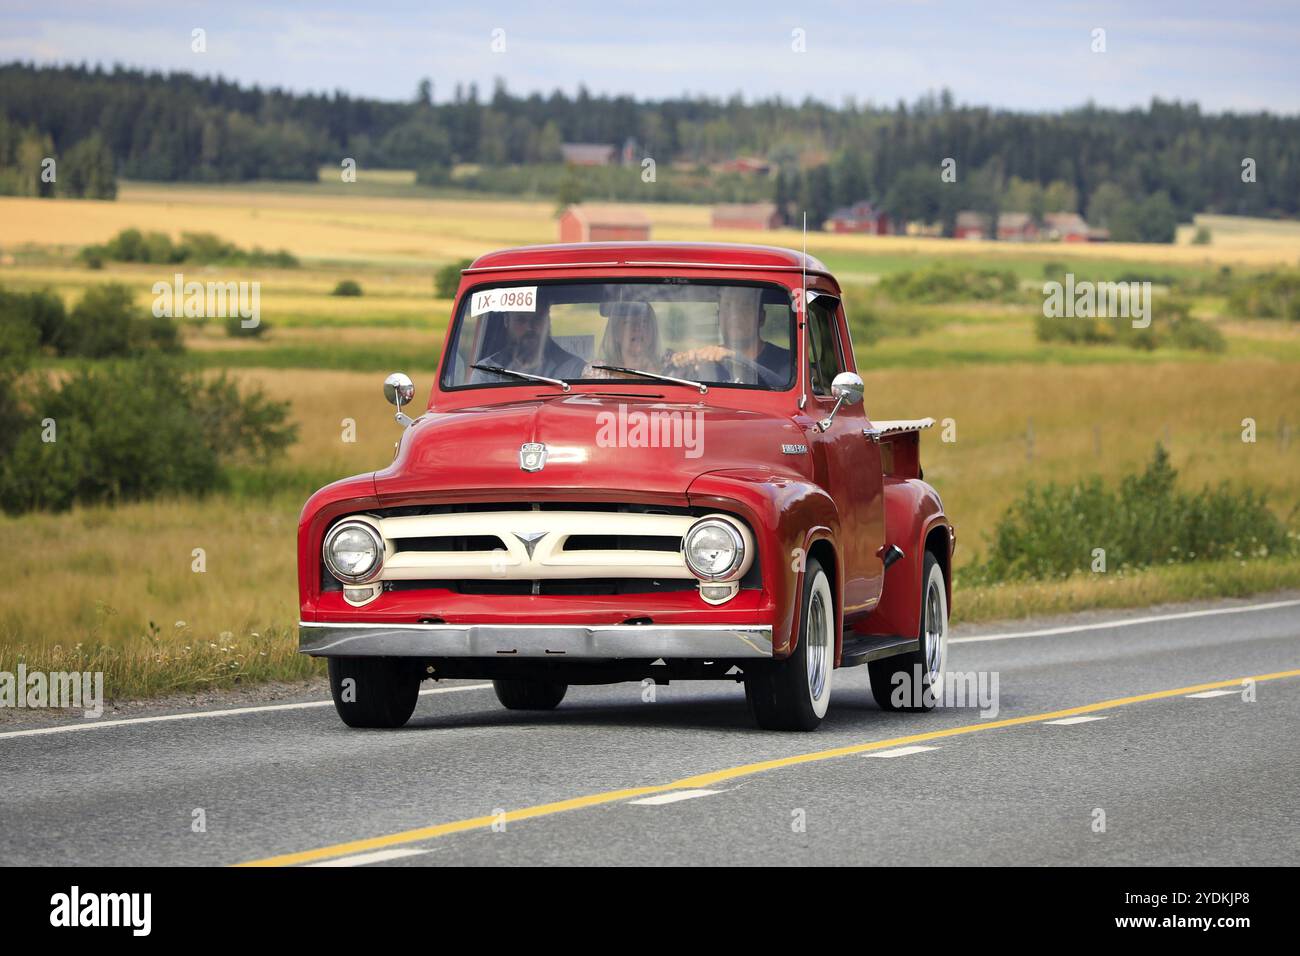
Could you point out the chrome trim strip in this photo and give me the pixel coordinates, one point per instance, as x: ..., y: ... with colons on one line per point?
x: 539, y: 265
x: 551, y: 641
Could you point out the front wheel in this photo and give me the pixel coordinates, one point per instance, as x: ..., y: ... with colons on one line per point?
x: 913, y: 682
x: 374, y: 691
x: 794, y: 694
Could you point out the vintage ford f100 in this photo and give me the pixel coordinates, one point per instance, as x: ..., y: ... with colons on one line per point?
x: 639, y: 461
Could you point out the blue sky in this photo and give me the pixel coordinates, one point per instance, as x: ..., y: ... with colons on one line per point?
x: 1036, y: 56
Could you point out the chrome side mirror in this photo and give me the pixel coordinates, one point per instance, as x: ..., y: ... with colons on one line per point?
x: 847, y: 389
x: 399, y: 390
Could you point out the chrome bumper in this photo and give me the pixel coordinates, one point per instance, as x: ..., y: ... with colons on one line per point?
x: 607, y: 642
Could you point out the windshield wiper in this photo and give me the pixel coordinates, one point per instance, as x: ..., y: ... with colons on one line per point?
x: 525, y: 375
x: 704, y: 389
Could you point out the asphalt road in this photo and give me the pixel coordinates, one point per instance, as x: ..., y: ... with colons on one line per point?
x: 1212, y: 779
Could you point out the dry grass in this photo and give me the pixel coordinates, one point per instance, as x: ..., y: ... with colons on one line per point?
x: 408, y: 231
x: 1195, y: 409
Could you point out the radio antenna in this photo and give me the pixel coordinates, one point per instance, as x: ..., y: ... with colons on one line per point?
x: 803, y: 311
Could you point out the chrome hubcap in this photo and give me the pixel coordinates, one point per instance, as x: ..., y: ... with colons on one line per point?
x: 936, y: 626
x: 819, y: 653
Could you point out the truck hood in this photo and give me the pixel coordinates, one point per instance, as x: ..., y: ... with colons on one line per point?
x: 597, y: 442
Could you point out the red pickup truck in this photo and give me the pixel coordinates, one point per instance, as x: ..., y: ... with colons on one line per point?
x: 639, y: 461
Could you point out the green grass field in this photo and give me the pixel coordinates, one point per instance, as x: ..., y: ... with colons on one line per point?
x: 126, y: 600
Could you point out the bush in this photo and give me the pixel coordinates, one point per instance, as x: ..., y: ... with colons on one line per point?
x: 199, y: 248
x: 106, y: 324
x: 1052, y: 530
x: 236, y: 328
x: 1189, y: 333
x: 1268, y: 295
x: 131, y: 430
x: 951, y: 284
x: 347, y: 287
x: 30, y: 320
x: 447, y: 279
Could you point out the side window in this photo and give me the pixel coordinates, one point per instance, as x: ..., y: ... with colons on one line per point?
x: 823, y: 348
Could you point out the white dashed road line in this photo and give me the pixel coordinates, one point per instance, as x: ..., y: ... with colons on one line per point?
x: 1211, y: 693
x: 661, y: 799
x: 1067, y: 721
x: 900, y: 751
x: 365, y: 859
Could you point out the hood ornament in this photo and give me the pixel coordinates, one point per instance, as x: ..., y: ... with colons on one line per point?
x: 532, y: 456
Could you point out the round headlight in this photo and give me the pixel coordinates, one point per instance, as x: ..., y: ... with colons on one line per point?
x: 353, y: 552
x: 713, y: 549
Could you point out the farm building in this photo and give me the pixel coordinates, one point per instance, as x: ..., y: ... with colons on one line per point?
x: 603, y: 224
x: 971, y: 225
x: 744, y: 164
x: 757, y: 215
x: 862, y: 217
x: 1017, y: 227
x: 587, y: 154
x: 1065, y: 226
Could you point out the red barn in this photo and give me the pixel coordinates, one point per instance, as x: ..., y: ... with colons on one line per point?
x: 1017, y: 227
x: 1066, y: 226
x: 861, y: 217
x: 971, y: 225
x: 603, y: 224
x: 756, y: 215
x: 587, y: 154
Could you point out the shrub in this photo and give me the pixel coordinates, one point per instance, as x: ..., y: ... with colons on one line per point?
x: 130, y: 430
x: 236, y: 328
x: 1268, y: 295
x: 106, y: 323
x: 199, y: 248
x: 447, y: 279
x: 347, y: 287
x: 34, y: 318
x: 1052, y: 530
x: 1189, y: 333
x: 950, y: 284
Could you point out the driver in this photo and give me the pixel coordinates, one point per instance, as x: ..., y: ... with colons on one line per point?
x: 530, y: 348
x: 740, y: 317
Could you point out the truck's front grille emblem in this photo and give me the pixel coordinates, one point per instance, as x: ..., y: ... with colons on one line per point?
x: 529, y: 539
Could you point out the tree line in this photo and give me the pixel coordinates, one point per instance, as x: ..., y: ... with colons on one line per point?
x: 177, y: 126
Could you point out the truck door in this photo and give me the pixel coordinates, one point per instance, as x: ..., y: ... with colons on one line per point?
x: 848, y: 460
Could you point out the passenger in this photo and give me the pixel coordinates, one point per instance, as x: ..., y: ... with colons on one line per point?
x: 631, y: 340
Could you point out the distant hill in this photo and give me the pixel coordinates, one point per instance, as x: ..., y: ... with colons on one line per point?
x: 182, y: 127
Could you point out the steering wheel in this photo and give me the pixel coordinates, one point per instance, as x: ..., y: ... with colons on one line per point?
x: 728, y: 370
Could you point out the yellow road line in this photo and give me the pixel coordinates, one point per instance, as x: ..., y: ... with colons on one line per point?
x: 704, y: 780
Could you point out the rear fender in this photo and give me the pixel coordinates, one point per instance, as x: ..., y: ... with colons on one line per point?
x: 913, y: 512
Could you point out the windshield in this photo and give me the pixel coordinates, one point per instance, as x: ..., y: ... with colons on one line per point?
x: 716, y: 333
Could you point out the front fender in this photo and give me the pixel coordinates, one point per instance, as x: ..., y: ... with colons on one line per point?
x: 787, y: 515
x: 346, y: 496
x: 912, y: 512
